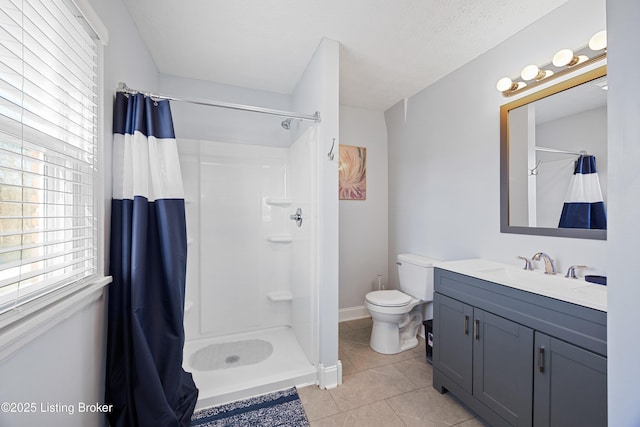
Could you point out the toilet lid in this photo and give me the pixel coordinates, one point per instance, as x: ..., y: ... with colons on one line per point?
x: 391, y: 298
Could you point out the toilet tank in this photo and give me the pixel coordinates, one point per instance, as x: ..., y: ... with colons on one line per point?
x: 416, y: 276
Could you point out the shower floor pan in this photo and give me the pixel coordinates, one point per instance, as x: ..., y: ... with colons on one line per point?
x: 238, y: 366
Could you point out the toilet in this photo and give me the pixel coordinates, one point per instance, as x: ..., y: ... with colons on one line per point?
x: 397, y: 315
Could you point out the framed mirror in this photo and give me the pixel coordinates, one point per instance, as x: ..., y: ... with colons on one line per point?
x: 545, y: 138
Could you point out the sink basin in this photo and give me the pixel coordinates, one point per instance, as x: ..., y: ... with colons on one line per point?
x: 530, y: 280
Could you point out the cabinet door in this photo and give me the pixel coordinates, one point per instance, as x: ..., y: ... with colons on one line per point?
x: 570, y: 385
x: 452, y: 343
x: 502, y: 361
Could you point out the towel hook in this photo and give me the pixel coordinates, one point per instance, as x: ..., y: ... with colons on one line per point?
x: 330, y: 154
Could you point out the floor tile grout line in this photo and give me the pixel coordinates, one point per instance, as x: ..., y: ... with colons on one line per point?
x: 394, y: 411
x: 464, y: 421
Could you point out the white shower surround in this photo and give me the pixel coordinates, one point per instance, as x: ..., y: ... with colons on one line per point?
x: 241, y: 276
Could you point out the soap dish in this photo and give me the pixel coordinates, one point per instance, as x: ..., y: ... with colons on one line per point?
x: 600, y: 280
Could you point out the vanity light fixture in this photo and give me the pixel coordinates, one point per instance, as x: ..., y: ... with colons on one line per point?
x: 564, y: 61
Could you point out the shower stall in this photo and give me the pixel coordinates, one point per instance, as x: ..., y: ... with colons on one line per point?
x: 251, y: 314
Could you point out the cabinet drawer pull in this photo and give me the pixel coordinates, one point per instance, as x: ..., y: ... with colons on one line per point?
x: 476, y: 329
x: 541, y: 359
x: 466, y: 325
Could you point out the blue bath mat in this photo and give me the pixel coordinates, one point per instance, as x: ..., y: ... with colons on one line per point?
x: 282, y: 408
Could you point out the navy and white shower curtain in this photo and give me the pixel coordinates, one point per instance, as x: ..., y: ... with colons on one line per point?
x: 584, y: 204
x: 145, y: 380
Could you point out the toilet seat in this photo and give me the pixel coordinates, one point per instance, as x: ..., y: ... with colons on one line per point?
x: 390, y: 298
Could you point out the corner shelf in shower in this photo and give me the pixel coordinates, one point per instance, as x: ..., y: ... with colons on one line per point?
x: 279, y: 296
x: 272, y: 201
x: 280, y: 238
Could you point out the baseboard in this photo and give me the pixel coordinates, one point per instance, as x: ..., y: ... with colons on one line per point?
x: 353, y: 313
x: 329, y: 376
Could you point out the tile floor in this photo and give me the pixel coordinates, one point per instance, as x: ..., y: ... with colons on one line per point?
x: 382, y: 390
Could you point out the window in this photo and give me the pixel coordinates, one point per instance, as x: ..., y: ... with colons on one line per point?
x: 49, y: 133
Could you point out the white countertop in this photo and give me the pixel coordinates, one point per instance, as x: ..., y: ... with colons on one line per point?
x: 576, y: 291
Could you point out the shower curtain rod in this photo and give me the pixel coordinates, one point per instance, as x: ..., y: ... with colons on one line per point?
x: 122, y: 87
x: 555, y: 150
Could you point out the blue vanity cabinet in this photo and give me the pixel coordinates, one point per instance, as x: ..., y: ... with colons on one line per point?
x: 453, y: 355
x: 517, y: 358
x: 502, y: 367
x: 570, y: 385
x: 485, y: 356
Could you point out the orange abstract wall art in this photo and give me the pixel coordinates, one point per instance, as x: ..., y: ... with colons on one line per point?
x: 352, y: 173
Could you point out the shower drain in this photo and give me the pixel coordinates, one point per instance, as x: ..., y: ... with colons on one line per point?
x: 230, y: 355
x: 231, y: 359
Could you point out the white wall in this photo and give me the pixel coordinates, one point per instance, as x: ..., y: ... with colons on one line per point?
x: 364, y: 223
x: 318, y: 90
x: 624, y: 204
x: 225, y: 125
x: 66, y: 364
x: 444, y: 181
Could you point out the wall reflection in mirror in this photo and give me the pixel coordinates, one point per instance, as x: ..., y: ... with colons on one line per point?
x: 554, y: 160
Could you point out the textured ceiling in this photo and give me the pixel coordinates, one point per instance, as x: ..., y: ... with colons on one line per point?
x: 390, y: 49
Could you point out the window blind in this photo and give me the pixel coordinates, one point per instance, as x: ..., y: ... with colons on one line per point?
x: 48, y: 147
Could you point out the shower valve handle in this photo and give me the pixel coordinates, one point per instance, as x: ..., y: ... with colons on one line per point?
x: 297, y: 217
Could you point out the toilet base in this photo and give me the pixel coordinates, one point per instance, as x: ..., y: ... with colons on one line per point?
x: 393, y: 338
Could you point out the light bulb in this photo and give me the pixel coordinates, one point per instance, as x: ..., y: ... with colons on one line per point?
x: 530, y: 72
x: 504, y: 83
x: 598, y: 41
x: 563, y: 57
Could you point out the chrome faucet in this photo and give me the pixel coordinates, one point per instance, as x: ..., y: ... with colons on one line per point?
x: 548, y: 262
